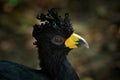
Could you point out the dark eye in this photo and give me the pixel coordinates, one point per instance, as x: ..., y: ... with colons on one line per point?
x: 58, y: 40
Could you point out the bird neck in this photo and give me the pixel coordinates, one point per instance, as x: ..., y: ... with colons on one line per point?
x: 56, y: 65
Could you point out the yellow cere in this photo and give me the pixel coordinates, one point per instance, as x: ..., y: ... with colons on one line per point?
x: 72, y: 41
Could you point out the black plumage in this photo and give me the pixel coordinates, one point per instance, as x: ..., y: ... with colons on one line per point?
x: 50, y: 38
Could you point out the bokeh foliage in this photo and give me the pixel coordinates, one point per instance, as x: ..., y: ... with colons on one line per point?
x: 97, y: 21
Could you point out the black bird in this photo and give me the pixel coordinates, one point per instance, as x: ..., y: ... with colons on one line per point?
x: 54, y: 39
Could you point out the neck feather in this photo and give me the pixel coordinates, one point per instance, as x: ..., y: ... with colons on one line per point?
x: 56, y: 65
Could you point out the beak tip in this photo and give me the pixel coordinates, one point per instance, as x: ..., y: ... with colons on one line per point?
x: 87, y: 46
x: 84, y: 42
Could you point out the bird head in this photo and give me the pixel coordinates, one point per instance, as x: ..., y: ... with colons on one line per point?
x: 56, y: 33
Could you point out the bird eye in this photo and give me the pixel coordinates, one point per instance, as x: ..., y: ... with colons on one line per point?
x: 58, y: 40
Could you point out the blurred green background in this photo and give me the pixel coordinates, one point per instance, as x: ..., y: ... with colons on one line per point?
x: 98, y: 21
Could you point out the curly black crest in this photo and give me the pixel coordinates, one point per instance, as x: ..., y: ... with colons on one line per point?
x: 53, y: 22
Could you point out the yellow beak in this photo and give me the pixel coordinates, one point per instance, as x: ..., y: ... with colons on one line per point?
x: 75, y: 41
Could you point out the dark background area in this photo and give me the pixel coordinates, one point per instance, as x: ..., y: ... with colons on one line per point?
x: 98, y: 21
